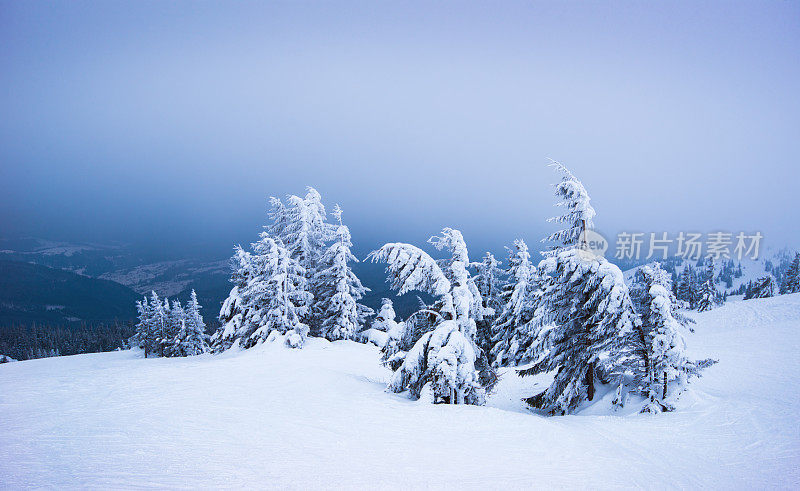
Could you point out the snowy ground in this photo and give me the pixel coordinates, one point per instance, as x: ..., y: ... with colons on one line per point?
x: 319, y: 417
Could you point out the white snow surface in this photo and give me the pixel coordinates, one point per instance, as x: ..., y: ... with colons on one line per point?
x: 318, y: 417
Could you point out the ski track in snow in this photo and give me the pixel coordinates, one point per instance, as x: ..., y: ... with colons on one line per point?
x: 319, y: 418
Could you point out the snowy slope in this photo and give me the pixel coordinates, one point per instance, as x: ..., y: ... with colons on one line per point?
x: 319, y: 417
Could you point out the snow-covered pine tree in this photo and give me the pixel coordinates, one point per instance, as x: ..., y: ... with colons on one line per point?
x: 159, y: 317
x: 653, y: 351
x: 234, y: 308
x: 276, y: 296
x: 686, y: 287
x: 384, y: 329
x: 519, y: 296
x: 489, y: 280
x: 192, y: 339
x: 176, y: 319
x: 791, y: 280
x: 578, y: 213
x: 338, y: 288
x: 763, y: 287
x: 708, y: 297
x: 302, y: 228
x: 444, y: 357
x: 584, y: 307
x: 144, y: 337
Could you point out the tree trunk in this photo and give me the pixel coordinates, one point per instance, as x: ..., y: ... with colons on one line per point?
x: 590, y: 381
x: 664, y: 397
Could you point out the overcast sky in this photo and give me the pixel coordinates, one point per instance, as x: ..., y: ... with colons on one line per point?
x: 170, y: 123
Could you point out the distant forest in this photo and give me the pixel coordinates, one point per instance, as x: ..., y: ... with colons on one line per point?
x: 25, y: 342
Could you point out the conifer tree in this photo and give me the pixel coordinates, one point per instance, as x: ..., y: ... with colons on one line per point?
x: 791, y: 281
x: 176, y: 318
x: 763, y: 287
x: 144, y: 337
x: 384, y: 328
x: 159, y: 317
x: 509, y: 337
x: 277, y: 296
x: 192, y: 338
x: 234, y: 308
x: 654, y: 349
x: 444, y: 357
x: 339, y: 289
x: 707, y: 297
x: 302, y: 228
x: 584, y: 307
x: 578, y: 213
x: 489, y: 282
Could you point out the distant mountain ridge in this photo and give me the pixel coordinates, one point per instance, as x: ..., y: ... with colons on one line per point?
x: 35, y: 293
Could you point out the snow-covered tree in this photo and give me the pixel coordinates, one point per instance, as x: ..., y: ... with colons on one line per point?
x: 192, y: 338
x: 707, y: 296
x: 445, y: 358
x: 577, y: 216
x: 687, y: 287
x: 653, y: 352
x: 584, y: 307
x: 338, y: 288
x: 519, y: 297
x: 276, y: 296
x: 384, y: 328
x: 763, y: 287
x: 176, y: 318
x: 145, y: 336
x: 234, y: 308
x: 489, y: 281
x: 791, y: 280
x: 301, y: 226
x: 159, y: 318
x: 410, y: 268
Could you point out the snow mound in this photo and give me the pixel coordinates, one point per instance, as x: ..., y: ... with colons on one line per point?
x: 320, y: 418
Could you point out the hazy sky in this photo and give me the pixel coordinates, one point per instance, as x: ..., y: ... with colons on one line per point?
x: 170, y: 123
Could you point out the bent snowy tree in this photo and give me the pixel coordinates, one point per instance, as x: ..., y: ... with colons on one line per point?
x: 584, y: 307
x: 444, y: 357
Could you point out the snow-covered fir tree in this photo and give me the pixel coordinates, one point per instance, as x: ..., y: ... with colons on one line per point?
x: 276, y: 297
x: 145, y: 336
x: 338, y: 288
x: 444, y: 357
x: 707, y: 296
x: 489, y: 280
x: 577, y: 216
x: 687, y: 287
x: 169, y: 330
x: 192, y: 338
x: 234, y: 308
x: 385, y: 328
x: 763, y: 287
x: 176, y: 318
x: 302, y: 227
x: 509, y: 336
x: 653, y: 352
x: 159, y: 318
x: 584, y: 307
x: 791, y: 280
